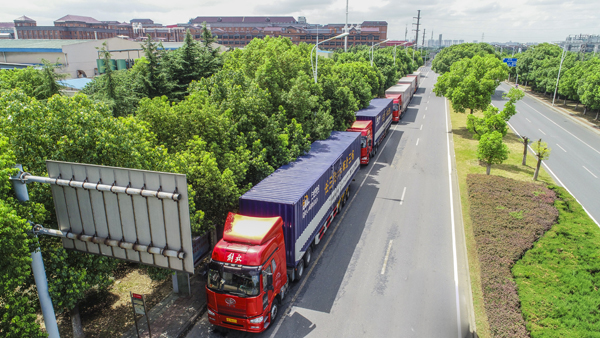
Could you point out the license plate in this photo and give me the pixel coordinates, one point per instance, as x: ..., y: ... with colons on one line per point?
x: 231, y: 320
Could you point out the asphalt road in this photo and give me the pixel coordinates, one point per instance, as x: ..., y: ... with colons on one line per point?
x: 575, y: 150
x: 394, y: 262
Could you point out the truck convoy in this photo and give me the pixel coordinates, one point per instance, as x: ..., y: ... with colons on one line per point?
x: 373, y: 124
x: 270, y: 242
x: 411, y: 80
x: 417, y: 76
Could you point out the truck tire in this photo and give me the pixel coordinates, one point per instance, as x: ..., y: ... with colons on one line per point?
x: 299, y: 270
x: 308, y: 257
x: 274, y: 310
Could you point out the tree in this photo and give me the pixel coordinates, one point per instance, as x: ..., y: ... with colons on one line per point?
x: 491, y: 150
x: 49, y: 85
x: 153, y: 76
x: 542, y: 152
x: 18, y: 304
x: 448, y: 56
x: 525, y: 144
x: 470, y: 83
x: 27, y: 80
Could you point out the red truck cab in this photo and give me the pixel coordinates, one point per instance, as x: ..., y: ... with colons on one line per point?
x: 366, y: 139
x: 397, y: 103
x: 247, y: 276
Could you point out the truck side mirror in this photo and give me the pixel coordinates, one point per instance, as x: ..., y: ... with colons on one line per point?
x: 270, y: 282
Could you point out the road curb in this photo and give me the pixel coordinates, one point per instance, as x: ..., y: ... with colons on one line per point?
x: 186, y: 327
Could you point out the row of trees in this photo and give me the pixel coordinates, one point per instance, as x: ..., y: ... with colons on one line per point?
x: 579, y: 76
x: 226, y: 121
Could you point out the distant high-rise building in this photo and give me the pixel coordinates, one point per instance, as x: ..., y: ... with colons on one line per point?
x: 440, y: 41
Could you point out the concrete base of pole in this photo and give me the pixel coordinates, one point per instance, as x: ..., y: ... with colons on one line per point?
x: 41, y: 283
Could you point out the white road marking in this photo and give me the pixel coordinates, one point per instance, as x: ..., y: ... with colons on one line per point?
x: 453, y: 227
x: 425, y: 108
x: 423, y: 117
x: 563, y: 149
x: 556, y: 177
x: 421, y: 127
x: 527, y: 120
x: 402, y: 198
x: 417, y: 141
x: 542, y: 131
x: 589, y: 171
x: 594, y: 149
x: 387, y: 255
x: 305, y: 278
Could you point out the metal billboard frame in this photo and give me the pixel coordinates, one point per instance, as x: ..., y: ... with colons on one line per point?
x: 130, y: 214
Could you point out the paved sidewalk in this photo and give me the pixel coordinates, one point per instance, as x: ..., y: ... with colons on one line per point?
x: 174, y: 315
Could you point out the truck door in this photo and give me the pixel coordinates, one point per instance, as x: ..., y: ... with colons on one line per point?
x: 268, y: 294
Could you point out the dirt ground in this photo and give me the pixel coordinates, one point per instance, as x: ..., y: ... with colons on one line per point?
x: 592, y: 117
x: 109, y: 314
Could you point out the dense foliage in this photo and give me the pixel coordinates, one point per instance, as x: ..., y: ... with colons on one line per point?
x: 226, y: 121
x: 448, y: 56
x: 579, y: 75
x: 558, y: 279
x: 508, y: 217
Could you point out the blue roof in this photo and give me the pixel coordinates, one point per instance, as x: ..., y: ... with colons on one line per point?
x: 76, y: 83
x: 290, y: 182
x: 375, y: 107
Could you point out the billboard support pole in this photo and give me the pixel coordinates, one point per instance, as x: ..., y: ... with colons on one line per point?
x: 37, y: 266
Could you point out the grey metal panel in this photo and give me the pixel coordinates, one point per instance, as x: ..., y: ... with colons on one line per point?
x: 126, y: 212
x: 60, y: 205
x: 156, y: 218
x: 99, y: 214
x: 113, y: 217
x: 162, y: 223
x: 85, y: 209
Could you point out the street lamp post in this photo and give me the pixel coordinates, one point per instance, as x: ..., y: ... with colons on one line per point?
x: 562, y: 58
x: 372, y: 52
x: 346, y: 29
x: 315, y: 66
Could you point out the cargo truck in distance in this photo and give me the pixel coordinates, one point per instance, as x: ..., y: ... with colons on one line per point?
x: 411, y: 80
x: 373, y: 124
x: 401, y: 94
x: 417, y: 76
x: 270, y: 242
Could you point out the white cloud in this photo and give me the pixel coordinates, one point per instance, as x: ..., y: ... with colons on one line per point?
x: 524, y: 20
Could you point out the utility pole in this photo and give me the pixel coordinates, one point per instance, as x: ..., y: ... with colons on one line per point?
x: 418, y: 17
x: 406, y: 33
x: 346, y: 29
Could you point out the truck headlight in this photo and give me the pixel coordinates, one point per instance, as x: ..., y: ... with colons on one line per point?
x: 210, y: 313
x: 257, y: 320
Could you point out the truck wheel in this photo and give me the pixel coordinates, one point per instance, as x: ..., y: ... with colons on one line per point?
x: 300, y: 270
x: 274, y: 310
x: 308, y: 256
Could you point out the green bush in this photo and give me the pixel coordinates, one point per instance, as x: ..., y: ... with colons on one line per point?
x: 558, y: 279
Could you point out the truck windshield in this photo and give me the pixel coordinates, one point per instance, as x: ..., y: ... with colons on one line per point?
x: 363, y: 141
x: 241, y: 282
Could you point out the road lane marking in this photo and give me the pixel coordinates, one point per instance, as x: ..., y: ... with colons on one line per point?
x: 556, y: 177
x: 387, y: 255
x: 563, y: 149
x: 527, y: 120
x: 402, y: 198
x: 423, y: 117
x: 417, y: 141
x: 314, y: 264
x: 425, y: 108
x: 589, y: 171
x: 421, y: 127
x: 453, y: 226
x: 568, y: 132
x: 542, y: 131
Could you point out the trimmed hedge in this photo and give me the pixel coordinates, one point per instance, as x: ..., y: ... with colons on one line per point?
x: 559, y: 278
x: 508, y: 217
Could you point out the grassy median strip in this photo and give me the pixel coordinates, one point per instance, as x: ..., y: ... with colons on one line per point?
x: 465, y: 148
x: 508, y: 217
x: 558, y: 279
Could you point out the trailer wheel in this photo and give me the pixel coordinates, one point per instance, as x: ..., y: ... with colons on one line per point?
x: 308, y: 256
x: 299, y: 270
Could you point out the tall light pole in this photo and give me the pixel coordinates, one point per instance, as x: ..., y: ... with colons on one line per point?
x: 315, y: 66
x: 346, y: 29
x: 372, y: 52
x: 402, y: 44
x: 562, y: 58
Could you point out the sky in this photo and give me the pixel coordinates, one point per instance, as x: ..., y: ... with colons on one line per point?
x: 497, y: 20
